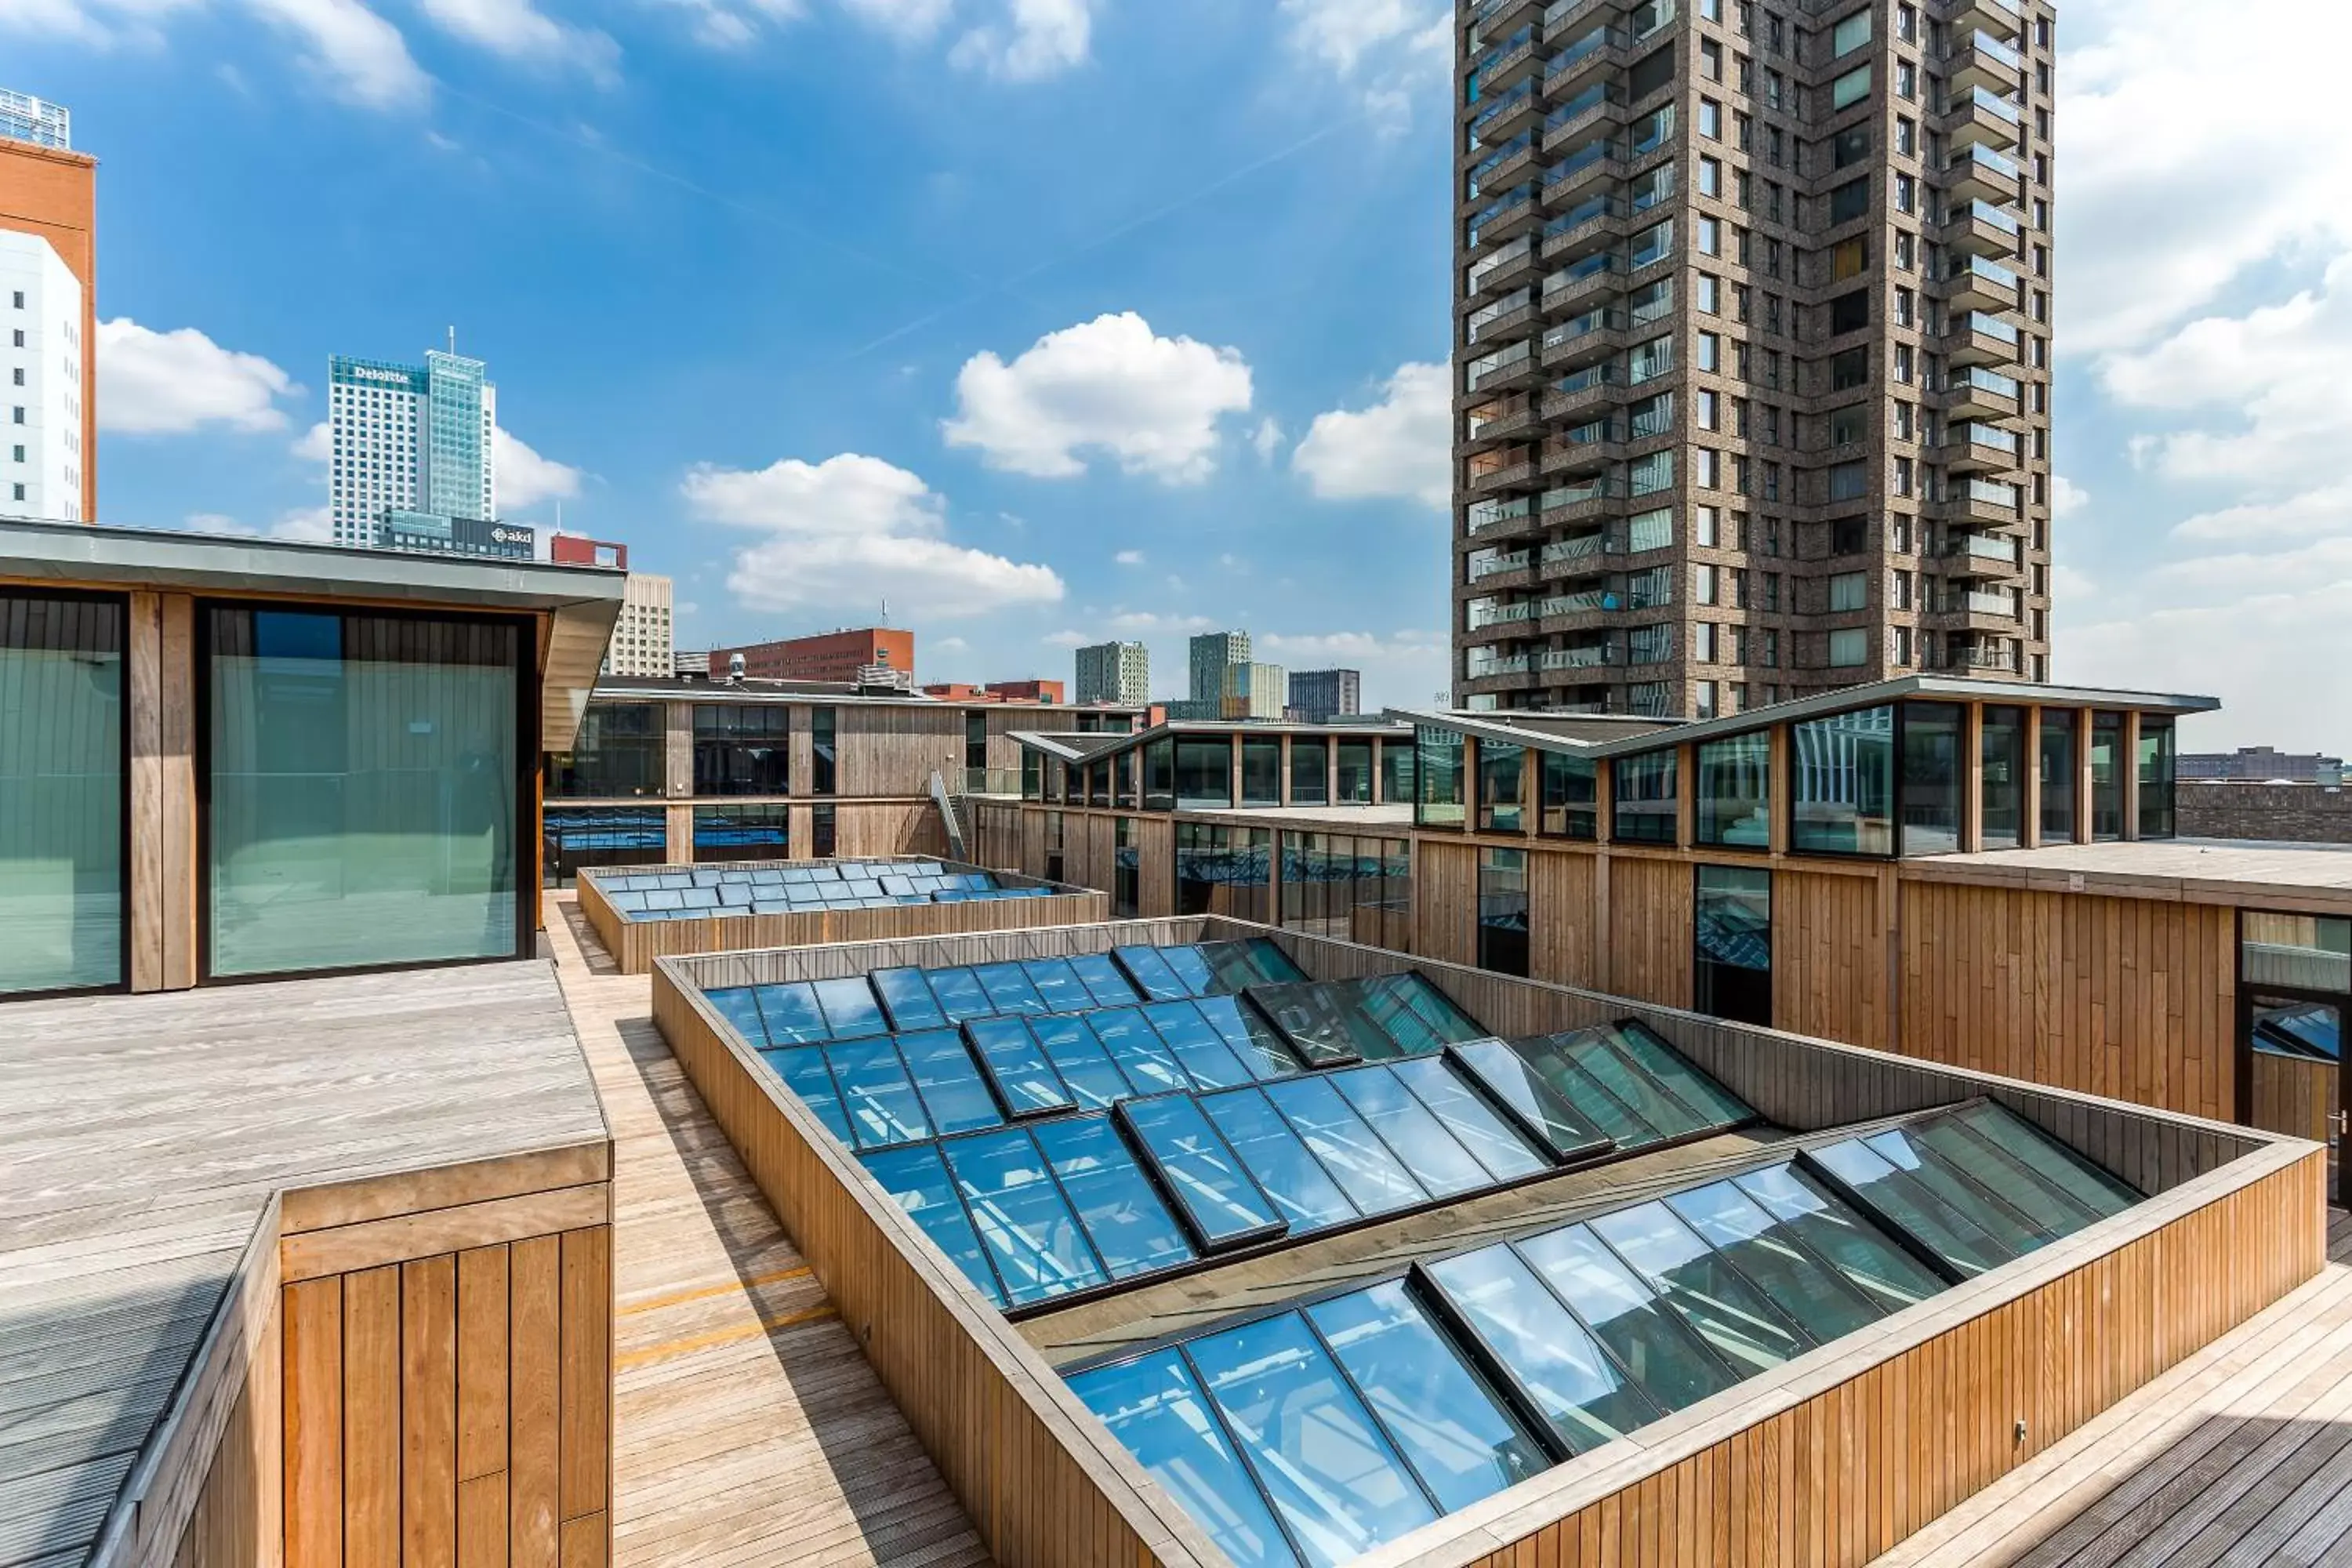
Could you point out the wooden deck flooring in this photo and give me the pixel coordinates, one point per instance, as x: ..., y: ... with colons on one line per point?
x: 748, y: 1429
x: 2240, y: 1456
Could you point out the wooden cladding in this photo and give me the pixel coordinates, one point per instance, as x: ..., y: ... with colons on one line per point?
x: 1830, y: 954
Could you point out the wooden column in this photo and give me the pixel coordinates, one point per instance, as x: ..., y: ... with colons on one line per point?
x: 2030, y: 830
x: 1282, y: 783
x: 2127, y: 771
x: 679, y: 836
x: 677, y: 750
x: 1972, y: 778
x: 2083, y: 728
x: 160, y: 688
x: 1686, y: 795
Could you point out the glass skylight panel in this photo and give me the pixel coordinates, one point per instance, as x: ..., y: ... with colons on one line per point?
x: 1915, y: 1149
x: 1366, y: 1169
x: 1686, y: 1083
x: 1902, y: 1200
x: 1498, y: 1147
x: 1285, y: 1170
x: 1221, y: 1203
x: 1566, y: 1373
x: 959, y: 995
x: 1191, y: 969
x: 740, y: 1008
x: 876, y: 1093
x: 917, y: 1180
x: 1656, y: 1346
x: 1540, y: 1108
x: 1025, y: 1081
x: 1150, y: 972
x: 1022, y: 1218
x: 1257, y: 1042
x: 1434, y: 1010
x: 1200, y: 1050
x: 1100, y: 973
x: 906, y: 996
x: 1155, y: 1408
x: 2094, y: 1191
x: 1137, y: 1047
x: 1253, y: 960
x: 849, y: 1007
x: 805, y: 1072
x: 1813, y: 1294
x: 1131, y: 1229
x: 1458, y: 1436
x: 1008, y: 989
x: 1058, y: 984
x: 1868, y: 1258
x: 1335, y: 1479
x: 1085, y: 1067
x: 793, y: 1017
x: 954, y: 1091
x: 1443, y: 1168
x: 1698, y: 1282
x: 1320, y: 1023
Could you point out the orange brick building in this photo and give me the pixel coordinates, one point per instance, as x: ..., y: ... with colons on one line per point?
x: 53, y: 194
x: 828, y: 655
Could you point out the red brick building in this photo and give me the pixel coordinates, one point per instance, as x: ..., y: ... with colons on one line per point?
x: 828, y: 655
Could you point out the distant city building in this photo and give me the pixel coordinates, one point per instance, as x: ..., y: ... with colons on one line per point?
x: 684, y: 663
x: 430, y: 533
x: 1208, y: 656
x: 642, y: 638
x: 578, y: 549
x: 409, y: 438
x: 1037, y: 691
x: 1115, y: 672
x: 1320, y: 694
x: 828, y: 655
x: 24, y: 118
x: 1255, y: 691
x: 48, y: 316
x: 2262, y: 764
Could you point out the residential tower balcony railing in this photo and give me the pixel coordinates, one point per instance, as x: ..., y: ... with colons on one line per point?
x: 1982, y: 655
x: 2003, y: 18
x: 1524, y: 142
x: 1591, y: 223
x: 1507, y: 116
x: 1478, y: 668
x: 1983, y: 60
x: 1978, y: 392
x: 1503, y: 268
x: 1983, y: 229
x: 1981, y: 554
x: 1509, y: 364
x: 1584, y: 547
x: 1504, y: 216
x: 1498, y: 512
x: 1983, y: 116
x: 1569, y: 289
x: 1506, y: 62
x: 1581, y: 389
x: 1508, y: 419
x: 1975, y: 338
x: 1588, y: 333
x: 1982, y: 285
x: 1499, y: 563
x: 1978, y: 172
x: 1491, y: 15
x: 1592, y: 656
x: 1983, y: 447
x: 1493, y: 320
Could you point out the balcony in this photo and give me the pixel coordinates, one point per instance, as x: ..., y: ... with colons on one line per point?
x: 1997, y: 657
x: 1505, y: 117
x: 1592, y: 656
x: 1478, y: 668
x: 1585, y: 550
x: 1975, y: 338
x: 1590, y: 164
x: 1976, y: 392
x: 1589, y: 111
x: 1972, y: 502
x: 1578, y: 606
x: 1499, y: 564
x: 1499, y: 167
x: 1494, y: 16
x: 1978, y: 173
x: 1506, y: 514
x: 1504, y: 320
x: 1576, y: 288
x: 1985, y: 61
x: 1980, y: 285
x: 1588, y: 448
x: 1586, y: 391
x: 1983, y: 117
x: 1591, y: 223
x: 1982, y: 228
x: 1512, y: 365
x: 2002, y: 18
x: 1491, y: 472
x: 1575, y: 502
x: 1507, y: 216
x: 1492, y: 423
x: 1507, y: 62
x: 1585, y: 59
x: 1981, y: 555
x: 1513, y: 265
x: 1580, y: 340
x: 1980, y: 448
x: 1976, y: 611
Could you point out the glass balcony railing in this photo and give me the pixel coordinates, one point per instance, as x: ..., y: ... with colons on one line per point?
x: 1518, y: 250
x: 1503, y: 149
x: 1587, y: 378
x: 1497, y: 664
x: 1980, y: 602
x: 1583, y: 50
x: 1576, y: 603
x: 1977, y: 378
x: 1498, y: 512
x: 1985, y: 43
x: 1576, y: 272
x: 1496, y: 564
x: 1573, y: 495
x: 1577, y: 107
x: 1583, y: 547
x: 1978, y: 322
x: 1485, y: 613
x: 1501, y: 360
x: 1984, y: 98
x: 1988, y: 547
x: 1985, y: 211
x: 1649, y: 16
x: 1576, y: 163
x: 1517, y: 299
x: 1487, y: 415
x: 1518, y: 95
x: 1582, y: 213
x: 1991, y: 436
x: 1516, y: 197
x: 1585, y: 325
x: 1991, y: 492
x: 1982, y: 160
x: 1520, y: 38
x: 1992, y: 272
x: 1589, y: 657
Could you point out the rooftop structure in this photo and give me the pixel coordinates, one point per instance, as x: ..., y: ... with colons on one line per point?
x: 48, y: 316
x: 826, y: 655
x: 2262, y: 764
x: 24, y: 118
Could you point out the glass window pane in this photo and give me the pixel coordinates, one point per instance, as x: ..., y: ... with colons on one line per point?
x: 1131, y: 1229
x: 1646, y: 805
x: 1437, y: 762
x: 1261, y: 772
x: 1255, y: 960
x: 882, y: 1105
x: 1008, y: 988
x: 1812, y: 1295
x: 1732, y: 927
x: 1586, y: 1396
x: 1332, y: 1474
x: 1363, y: 1166
x: 2156, y: 776
x: 1934, y: 772
x: 1696, y: 1281
x: 793, y: 1017
x: 1058, y: 984
x: 1917, y: 1210
x: 1656, y: 1110
x: 1151, y: 973
x: 1671, y: 1069
x: 1223, y: 1205
x: 1733, y: 805
x: 2058, y: 772
x: 1916, y: 1150
x: 1135, y: 1046
x: 2047, y: 1205
x: 959, y: 994
x: 2002, y: 762
x: 1498, y: 1148
x: 1842, y: 782
x: 1080, y: 1061
x: 1538, y: 1106
x: 1257, y: 1042
x: 363, y: 799
x: 1502, y: 775
x: 954, y: 1091
x: 805, y: 1074
x: 1447, y: 1022
x: 1868, y: 1258
x: 1310, y: 759
x: 2107, y: 776
x: 1156, y: 1410
x: 1459, y: 1439
x: 1205, y: 1057
x: 1205, y: 771
x: 2092, y: 1189
x: 740, y: 1008
x: 1656, y: 1347
x: 1572, y: 795
x: 919, y: 1181
x: 1301, y: 1190
x: 1192, y: 969
x: 1024, y: 1079
x: 1503, y: 911
x: 62, y: 781
x: 1103, y: 982
x: 849, y: 1008
x: 1437, y: 1161
x: 1028, y: 1230
x: 1319, y: 1021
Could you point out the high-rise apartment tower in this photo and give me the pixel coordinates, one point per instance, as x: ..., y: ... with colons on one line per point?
x: 1319, y: 694
x: 1115, y: 672
x: 1753, y: 348
x: 410, y: 439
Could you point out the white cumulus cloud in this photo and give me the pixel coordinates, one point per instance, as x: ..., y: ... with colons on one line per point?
x: 1129, y: 558
x: 1111, y: 385
x: 1398, y: 446
x: 1034, y: 39
x: 172, y: 382
x: 518, y: 30
x: 358, y: 54
x: 526, y: 479
x: 853, y: 529
x: 1392, y: 53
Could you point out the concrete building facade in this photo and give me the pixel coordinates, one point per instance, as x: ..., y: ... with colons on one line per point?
x: 1319, y: 694
x: 409, y: 438
x: 1753, y: 337
x: 1254, y: 690
x: 49, y: 315
x: 828, y: 655
x: 1114, y: 672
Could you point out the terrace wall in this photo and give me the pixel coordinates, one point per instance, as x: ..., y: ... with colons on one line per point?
x: 1893, y: 1425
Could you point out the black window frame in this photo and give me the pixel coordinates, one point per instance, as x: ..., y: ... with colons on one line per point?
x: 1743, y: 1004
x: 1707, y: 834
x: 1672, y: 756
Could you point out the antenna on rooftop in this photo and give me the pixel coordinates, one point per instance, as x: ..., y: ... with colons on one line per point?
x: 453, y: 340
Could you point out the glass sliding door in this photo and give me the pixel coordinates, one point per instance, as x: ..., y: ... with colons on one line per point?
x: 62, y: 783
x: 2107, y: 776
x: 1934, y: 772
x: 2156, y: 769
x: 1733, y: 948
x: 2058, y: 774
x: 2001, y: 764
x: 2294, y: 986
x: 1503, y: 910
x: 363, y: 793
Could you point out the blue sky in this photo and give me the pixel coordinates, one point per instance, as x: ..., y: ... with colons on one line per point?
x: 1061, y: 319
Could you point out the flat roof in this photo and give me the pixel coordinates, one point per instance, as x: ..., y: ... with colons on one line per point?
x: 2246, y: 873
x: 582, y: 602
x: 1082, y: 746
x: 695, y: 688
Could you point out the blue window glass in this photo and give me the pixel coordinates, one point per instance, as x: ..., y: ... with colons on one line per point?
x: 880, y: 1101
x: 1504, y: 1155
x: 1149, y: 970
x: 954, y: 1091
x: 740, y: 1008
x: 1442, y: 1166
x: 1205, y: 1057
x: 1255, y: 960
x: 1058, y: 984
x: 1869, y: 1259
x: 1257, y: 1042
x: 1660, y: 1351
x: 959, y: 995
x: 793, y: 1015
x: 1025, y: 1081
x: 1145, y: 1060
x: 1567, y: 1374
x: 1434, y: 1011
x: 1698, y: 1282
x: 805, y: 1074
x: 1458, y: 1438
x: 1321, y: 1024
x: 1283, y: 1166
x: 1372, y: 1177
x: 1022, y: 1220
x: 1191, y: 969
x: 2092, y: 1190
x: 1221, y: 1203
x: 1541, y: 1109
x: 849, y: 1008
x: 1103, y: 982
x: 1156, y: 1410
x: 919, y: 1183
x: 1078, y: 1058
x: 63, y: 794
x: 1335, y: 1479
x: 1131, y: 1229
x: 1008, y: 989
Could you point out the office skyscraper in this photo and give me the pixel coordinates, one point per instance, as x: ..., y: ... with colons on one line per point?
x: 1254, y: 690
x: 1319, y: 694
x: 410, y: 439
x: 1753, y: 307
x: 48, y: 316
x: 1115, y: 672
